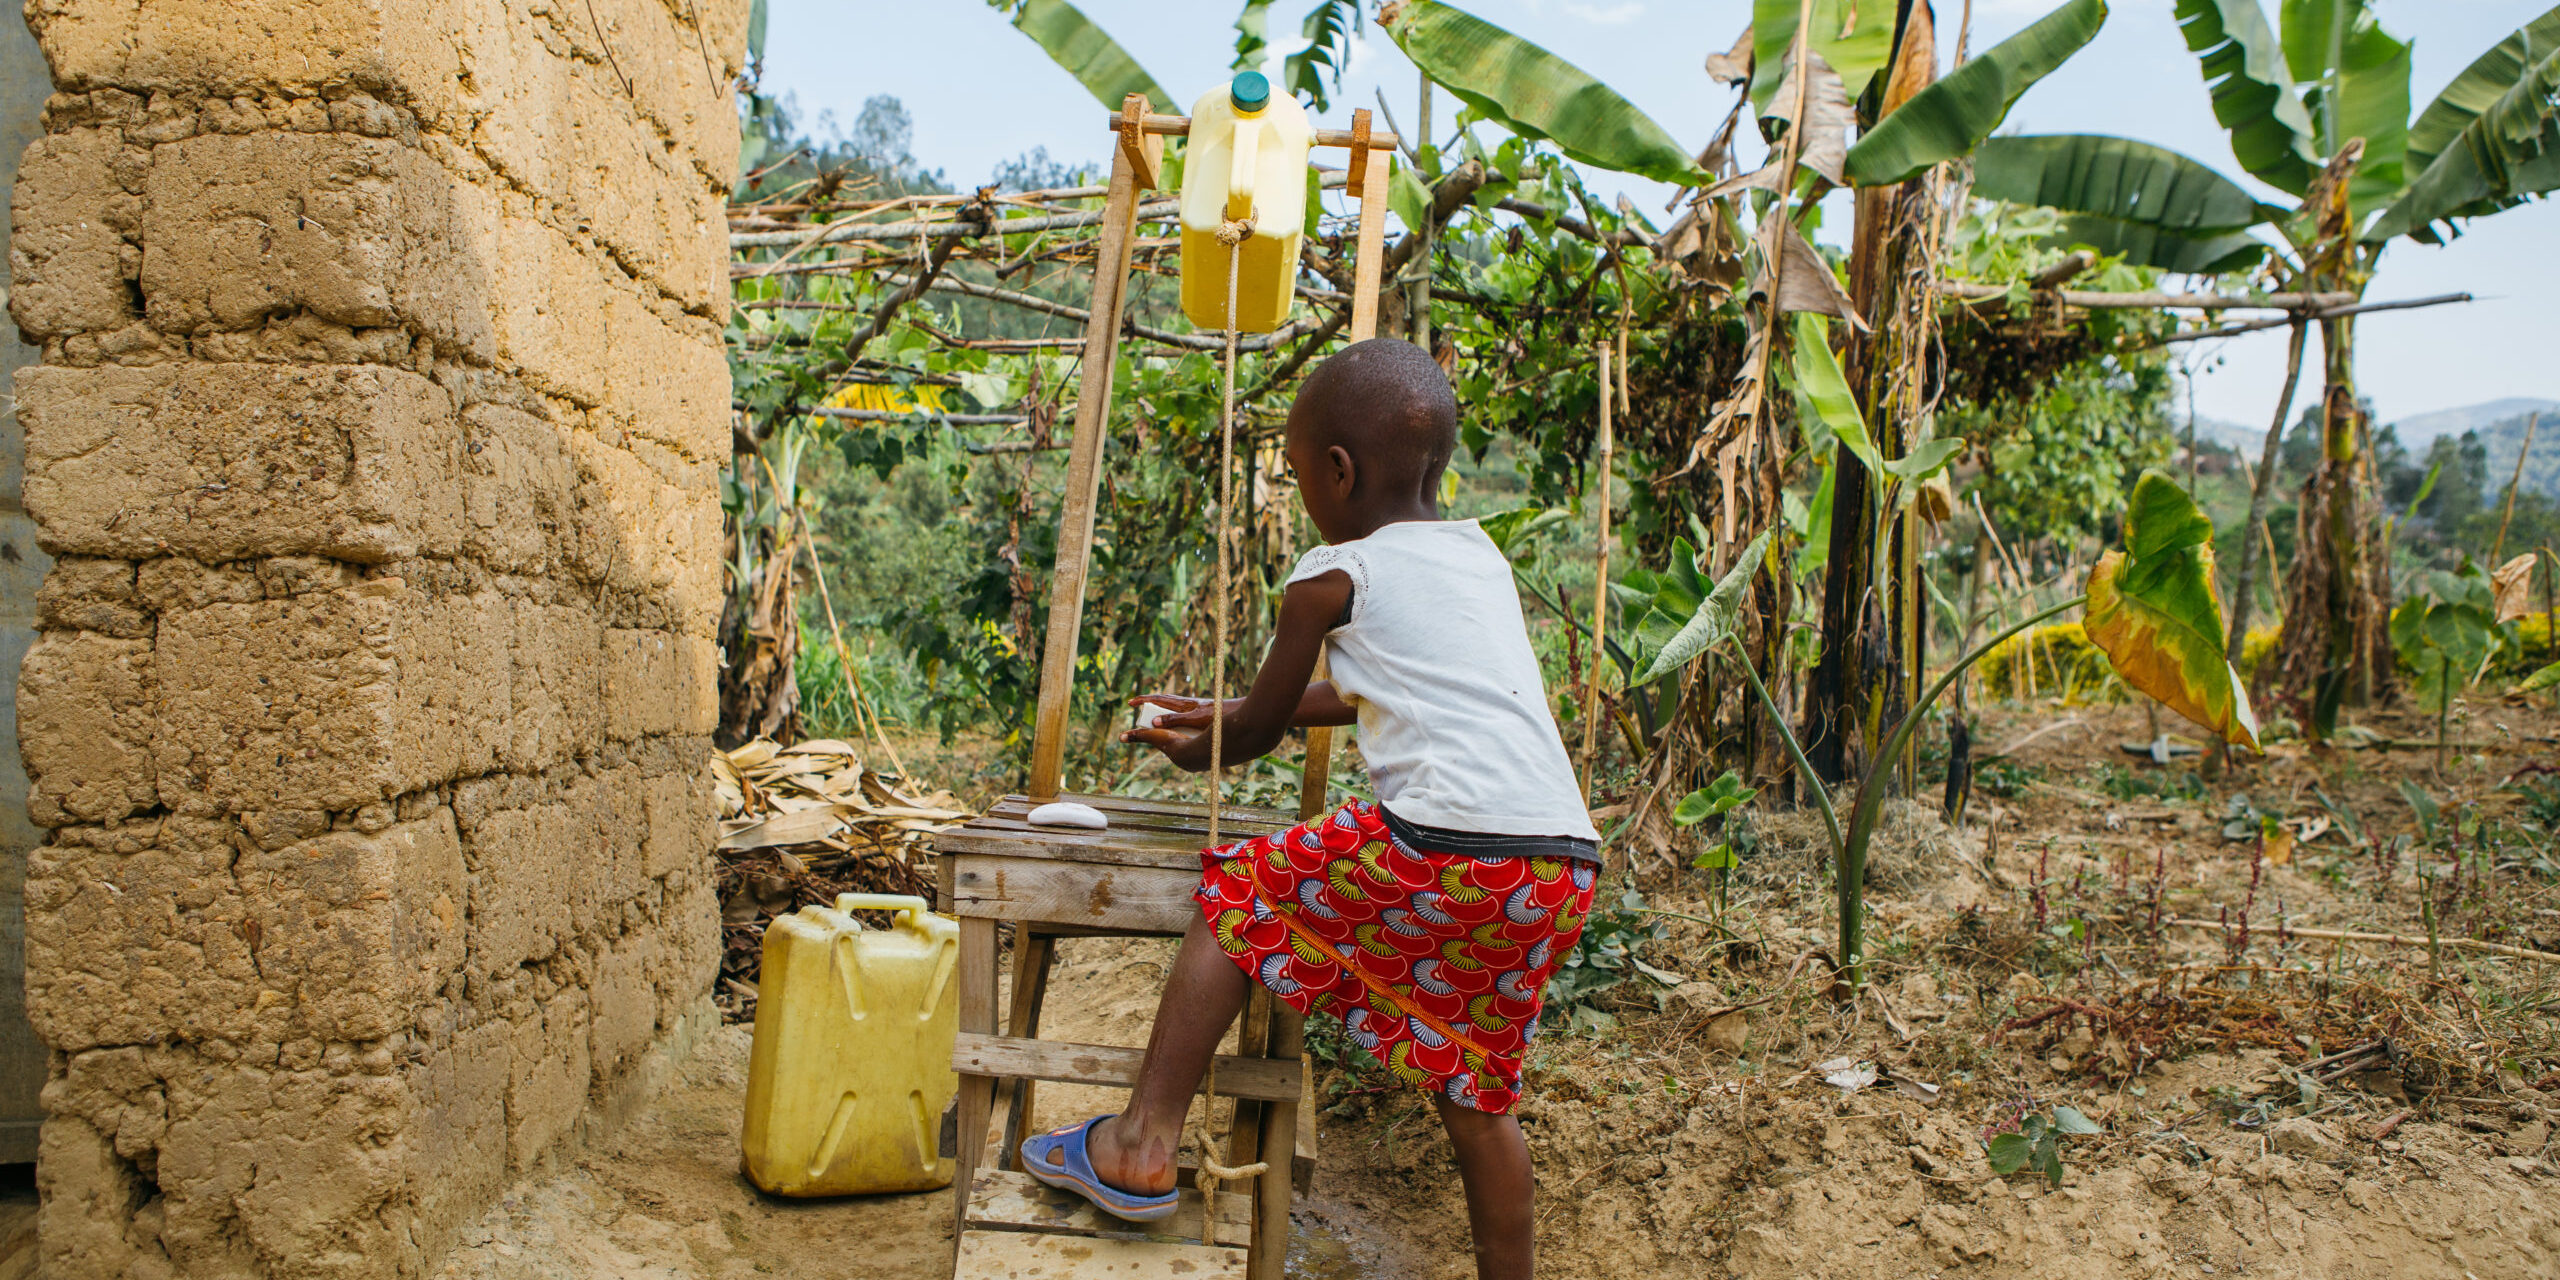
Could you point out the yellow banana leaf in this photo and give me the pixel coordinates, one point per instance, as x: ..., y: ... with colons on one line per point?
x: 2153, y: 610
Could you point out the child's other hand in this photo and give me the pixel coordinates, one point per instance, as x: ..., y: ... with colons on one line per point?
x: 1181, y: 733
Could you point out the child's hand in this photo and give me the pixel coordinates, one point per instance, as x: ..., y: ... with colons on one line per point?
x: 1182, y: 732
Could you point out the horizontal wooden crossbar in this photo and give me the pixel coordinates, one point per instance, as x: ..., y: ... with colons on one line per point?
x: 1180, y: 126
x: 1261, y: 1079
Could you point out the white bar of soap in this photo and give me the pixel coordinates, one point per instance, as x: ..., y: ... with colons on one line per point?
x: 1067, y: 813
x: 1149, y: 713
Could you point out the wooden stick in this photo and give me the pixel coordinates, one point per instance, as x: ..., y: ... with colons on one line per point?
x: 2233, y: 330
x: 1367, y: 266
x: 1599, y: 590
x: 2512, y: 485
x: 2180, y: 301
x: 1180, y: 126
x: 2397, y: 939
x: 1084, y: 479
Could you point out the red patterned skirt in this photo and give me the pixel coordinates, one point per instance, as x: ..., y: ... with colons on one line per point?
x: 1435, y: 962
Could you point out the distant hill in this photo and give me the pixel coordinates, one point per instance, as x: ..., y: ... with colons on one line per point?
x: 2418, y: 429
x: 2230, y: 435
x: 2504, y: 436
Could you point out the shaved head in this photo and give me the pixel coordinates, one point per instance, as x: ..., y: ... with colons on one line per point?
x: 1386, y: 403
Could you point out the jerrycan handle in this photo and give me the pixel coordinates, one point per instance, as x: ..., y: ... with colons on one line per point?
x: 1249, y: 94
x: 907, y: 902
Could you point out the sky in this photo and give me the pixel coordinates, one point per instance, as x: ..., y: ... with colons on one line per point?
x: 981, y: 93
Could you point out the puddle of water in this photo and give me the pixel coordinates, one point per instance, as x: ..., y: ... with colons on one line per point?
x: 1322, y: 1250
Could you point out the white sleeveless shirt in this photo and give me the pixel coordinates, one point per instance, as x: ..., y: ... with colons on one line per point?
x: 1454, y: 725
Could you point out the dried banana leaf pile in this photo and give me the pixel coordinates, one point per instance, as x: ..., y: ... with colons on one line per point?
x: 801, y: 824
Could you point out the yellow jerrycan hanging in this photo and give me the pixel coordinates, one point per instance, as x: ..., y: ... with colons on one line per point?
x: 851, y: 1068
x: 1247, y: 159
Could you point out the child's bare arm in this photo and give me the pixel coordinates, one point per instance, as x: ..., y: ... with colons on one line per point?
x: 1281, y: 695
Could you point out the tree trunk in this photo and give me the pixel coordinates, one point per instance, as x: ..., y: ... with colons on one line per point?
x: 2336, y: 646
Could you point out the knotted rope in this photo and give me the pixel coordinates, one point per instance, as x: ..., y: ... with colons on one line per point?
x: 1232, y: 233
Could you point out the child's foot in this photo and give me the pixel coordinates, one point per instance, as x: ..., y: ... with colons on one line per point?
x: 1064, y: 1158
x: 1145, y: 1169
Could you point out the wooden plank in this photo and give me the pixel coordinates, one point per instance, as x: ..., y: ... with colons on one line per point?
x: 976, y: 1055
x: 1373, y: 235
x: 1033, y: 953
x: 977, y: 1093
x: 1149, y: 900
x: 1302, y: 1161
x: 1022, y: 1255
x: 1005, y: 1201
x: 1180, y: 126
x: 1084, y: 477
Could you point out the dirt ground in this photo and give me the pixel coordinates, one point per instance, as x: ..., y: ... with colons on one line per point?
x: 1691, y: 1139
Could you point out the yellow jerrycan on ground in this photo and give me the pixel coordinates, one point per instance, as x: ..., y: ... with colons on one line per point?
x: 851, y: 1068
x: 1247, y: 159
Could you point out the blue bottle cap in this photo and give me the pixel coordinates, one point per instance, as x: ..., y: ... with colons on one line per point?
x: 1251, y: 91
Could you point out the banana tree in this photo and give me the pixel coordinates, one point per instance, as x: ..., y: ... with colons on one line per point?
x: 1817, y: 71
x: 2317, y: 108
x: 2151, y: 608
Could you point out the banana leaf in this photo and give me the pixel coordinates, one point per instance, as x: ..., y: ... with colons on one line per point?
x: 2479, y: 87
x: 1856, y: 39
x: 2203, y: 253
x: 2153, y: 610
x: 1953, y: 116
x: 2117, y: 178
x: 2503, y: 152
x: 2365, y: 95
x: 1536, y: 94
x: 2244, y: 70
x: 1088, y: 53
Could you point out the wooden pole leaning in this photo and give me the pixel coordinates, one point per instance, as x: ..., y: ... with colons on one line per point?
x: 1136, y: 165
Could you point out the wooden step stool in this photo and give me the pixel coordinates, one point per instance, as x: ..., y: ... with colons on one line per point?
x: 1134, y: 879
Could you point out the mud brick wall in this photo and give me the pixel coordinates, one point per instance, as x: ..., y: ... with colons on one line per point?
x: 376, y: 438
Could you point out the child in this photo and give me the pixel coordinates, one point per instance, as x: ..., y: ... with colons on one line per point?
x: 1429, y: 920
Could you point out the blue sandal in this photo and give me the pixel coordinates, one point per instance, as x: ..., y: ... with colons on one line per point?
x: 1058, y: 1158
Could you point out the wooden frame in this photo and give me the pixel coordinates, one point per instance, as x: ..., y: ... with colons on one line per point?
x: 1136, y: 877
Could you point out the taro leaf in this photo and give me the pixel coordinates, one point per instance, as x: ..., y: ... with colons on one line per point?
x: 2252, y: 95
x: 1951, y: 117
x: 1536, y: 94
x: 2153, y: 610
x: 2540, y: 680
x: 1712, y: 624
x: 2008, y: 1152
x: 1509, y: 529
x: 1856, y: 39
x: 1723, y: 795
x: 2070, y: 1120
x: 1089, y: 53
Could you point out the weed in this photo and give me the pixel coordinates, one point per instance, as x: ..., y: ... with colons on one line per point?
x: 2122, y: 783
x: 2006, y: 779
x: 2023, y: 1139
x: 1603, y: 958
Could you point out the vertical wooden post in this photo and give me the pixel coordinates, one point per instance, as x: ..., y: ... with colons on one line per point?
x: 1599, y: 591
x: 977, y: 1093
x: 1135, y: 163
x: 1278, y: 1140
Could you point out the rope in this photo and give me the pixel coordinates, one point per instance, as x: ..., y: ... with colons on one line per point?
x: 1231, y: 233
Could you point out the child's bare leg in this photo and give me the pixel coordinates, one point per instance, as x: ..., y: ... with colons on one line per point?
x: 1135, y: 1151
x: 1493, y: 1162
